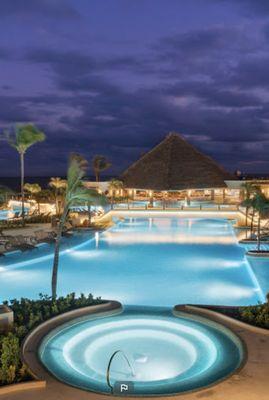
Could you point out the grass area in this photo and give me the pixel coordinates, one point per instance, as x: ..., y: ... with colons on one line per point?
x: 27, y: 315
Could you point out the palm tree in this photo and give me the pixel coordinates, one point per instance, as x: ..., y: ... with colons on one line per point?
x: 100, y: 163
x: 115, y: 184
x: 59, y: 186
x: 76, y: 194
x: 24, y: 137
x: 34, y: 189
x: 249, y: 189
x: 261, y: 206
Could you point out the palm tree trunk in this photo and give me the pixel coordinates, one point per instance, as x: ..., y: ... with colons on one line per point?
x: 89, y: 213
x: 22, y: 187
x: 252, y: 222
x: 56, y: 255
x: 259, y: 233
x: 56, y: 202
x: 97, y: 175
x: 246, y: 216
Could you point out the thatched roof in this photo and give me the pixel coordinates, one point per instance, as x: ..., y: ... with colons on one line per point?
x: 174, y: 164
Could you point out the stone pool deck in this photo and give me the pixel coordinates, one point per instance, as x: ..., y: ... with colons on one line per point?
x: 250, y: 382
x: 28, y: 230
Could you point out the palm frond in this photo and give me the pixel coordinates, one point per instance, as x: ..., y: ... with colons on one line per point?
x: 4, y: 192
x: 24, y: 136
x: 82, y: 195
x: 76, y: 171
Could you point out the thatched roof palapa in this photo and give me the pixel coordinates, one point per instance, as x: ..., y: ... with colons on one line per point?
x: 174, y: 164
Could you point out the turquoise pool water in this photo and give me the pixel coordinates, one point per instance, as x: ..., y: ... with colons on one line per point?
x: 142, y: 261
x: 7, y: 214
x: 159, y: 353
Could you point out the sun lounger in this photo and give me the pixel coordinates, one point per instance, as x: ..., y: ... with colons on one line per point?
x: 19, y: 242
x: 15, y: 216
x: 68, y: 226
x: 42, y: 236
x: 68, y: 230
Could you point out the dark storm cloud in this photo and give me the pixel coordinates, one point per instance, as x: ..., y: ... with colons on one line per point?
x: 136, y: 120
x: 6, y: 54
x: 48, y: 8
x: 64, y: 63
x: 208, y: 42
x: 209, y: 52
x: 259, y: 6
x: 12, y: 109
x: 3, y: 53
x: 213, y: 95
x: 196, y: 42
x: 101, y: 94
x: 250, y: 73
x: 74, y: 63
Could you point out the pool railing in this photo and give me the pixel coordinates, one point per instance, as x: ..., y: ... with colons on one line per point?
x: 169, y: 207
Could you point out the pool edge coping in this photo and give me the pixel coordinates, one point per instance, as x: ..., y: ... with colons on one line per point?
x: 33, y: 340
x: 219, y: 317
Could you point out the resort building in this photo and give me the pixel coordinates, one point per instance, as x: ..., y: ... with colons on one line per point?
x: 175, y: 169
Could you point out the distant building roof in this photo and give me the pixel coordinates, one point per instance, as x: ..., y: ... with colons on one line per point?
x: 174, y: 164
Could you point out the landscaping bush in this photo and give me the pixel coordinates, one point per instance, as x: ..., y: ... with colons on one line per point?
x: 27, y: 315
x: 38, y: 219
x: 256, y: 315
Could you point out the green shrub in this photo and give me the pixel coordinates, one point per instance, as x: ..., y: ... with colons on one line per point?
x: 28, y: 314
x: 9, y: 358
x: 256, y: 315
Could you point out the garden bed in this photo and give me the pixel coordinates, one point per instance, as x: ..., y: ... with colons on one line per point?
x: 27, y: 315
x: 257, y: 315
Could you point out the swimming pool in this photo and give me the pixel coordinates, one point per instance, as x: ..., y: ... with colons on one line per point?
x: 7, y: 214
x: 159, y: 261
x: 158, y: 352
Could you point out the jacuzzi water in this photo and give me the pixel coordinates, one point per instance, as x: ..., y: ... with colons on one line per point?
x: 159, y: 352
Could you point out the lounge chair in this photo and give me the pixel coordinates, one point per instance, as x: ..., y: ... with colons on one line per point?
x: 68, y: 226
x: 32, y: 214
x: 68, y: 230
x: 15, y: 216
x: 42, y: 236
x: 19, y: 242
x: 4, y: 240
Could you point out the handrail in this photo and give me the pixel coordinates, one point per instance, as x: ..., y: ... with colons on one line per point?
x: 109, y: 365
x: 180, y: 207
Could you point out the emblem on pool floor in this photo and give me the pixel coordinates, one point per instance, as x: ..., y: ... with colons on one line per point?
x: 123, y: 388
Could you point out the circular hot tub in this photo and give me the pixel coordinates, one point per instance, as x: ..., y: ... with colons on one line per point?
x: 157, y: 352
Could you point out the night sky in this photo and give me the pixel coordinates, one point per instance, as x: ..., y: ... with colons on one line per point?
x: 115, y: 76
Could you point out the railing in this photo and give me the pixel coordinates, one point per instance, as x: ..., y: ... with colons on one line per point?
x: 109, y: 366
x: 167, y: 206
